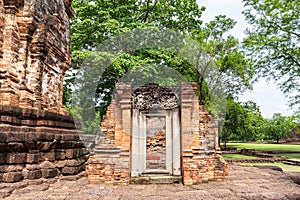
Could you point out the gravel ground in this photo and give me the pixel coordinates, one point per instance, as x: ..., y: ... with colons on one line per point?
x: 242, y: 183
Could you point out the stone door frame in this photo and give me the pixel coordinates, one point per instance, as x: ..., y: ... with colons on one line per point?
x: 173, y: 142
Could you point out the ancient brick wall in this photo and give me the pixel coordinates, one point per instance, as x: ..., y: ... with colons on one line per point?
x: 38, y: 144
x: 156, y: 150
x: 34, y: 52
x: 38, y: 138
x: 200, y: 151
x: 111, y: 160
x: 200, y: 159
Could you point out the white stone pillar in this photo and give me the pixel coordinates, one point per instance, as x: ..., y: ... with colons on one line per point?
x: 176, y: 143
x: 142, y: 143
x: 135, y: 143
x: 169, y: 143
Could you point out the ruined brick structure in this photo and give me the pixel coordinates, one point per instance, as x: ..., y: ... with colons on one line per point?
x: 37, y: 137
x: 182, y: 143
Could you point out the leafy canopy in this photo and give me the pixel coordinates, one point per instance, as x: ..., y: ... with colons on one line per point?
x: 273, y: 42
x: 95, y: 21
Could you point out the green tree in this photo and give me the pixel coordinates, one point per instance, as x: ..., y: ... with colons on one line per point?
x: 255, y: 121
x: 295, y: 133
x: 243, y: 122
x: 95, y: 21
x: 273, y: 42
x: 279, y: 127
x: 234, y: 122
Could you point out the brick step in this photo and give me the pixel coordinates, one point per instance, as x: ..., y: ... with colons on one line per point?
x: 156, y: 179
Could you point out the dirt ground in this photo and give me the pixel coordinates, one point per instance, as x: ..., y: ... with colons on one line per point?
x: 242, y: 183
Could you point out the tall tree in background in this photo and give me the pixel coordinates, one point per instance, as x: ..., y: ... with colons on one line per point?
x: 273, y: 42
x: 243, y: 122
x: 279, y: 127
x: 98, y: 20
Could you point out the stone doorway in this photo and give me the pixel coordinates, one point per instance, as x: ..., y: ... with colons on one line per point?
x: 160, y: 129
x: 156, y: 142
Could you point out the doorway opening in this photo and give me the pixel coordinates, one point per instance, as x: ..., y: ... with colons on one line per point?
x: 156, y: 142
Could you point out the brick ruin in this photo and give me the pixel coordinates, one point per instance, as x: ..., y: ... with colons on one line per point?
x: 38, y: 138
x: 146, y: 129
x: 183, y: 140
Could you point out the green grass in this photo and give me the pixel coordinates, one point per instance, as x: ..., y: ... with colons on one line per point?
x: 284, y: 167
x: 266, y: 147
x: 295, y: 156
x: 238, y: 156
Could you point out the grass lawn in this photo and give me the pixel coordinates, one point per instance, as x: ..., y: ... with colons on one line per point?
x: 266, y: 147
x: 238, y: 156
x: 284, y: 167
x: 295, y: 156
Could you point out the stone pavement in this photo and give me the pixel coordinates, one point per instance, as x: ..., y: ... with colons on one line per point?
x: 242, y: 183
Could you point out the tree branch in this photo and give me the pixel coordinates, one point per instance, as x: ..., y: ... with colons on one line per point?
x: 149, y: 10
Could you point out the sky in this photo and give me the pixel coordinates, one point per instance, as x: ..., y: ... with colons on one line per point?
x: 266, y: 94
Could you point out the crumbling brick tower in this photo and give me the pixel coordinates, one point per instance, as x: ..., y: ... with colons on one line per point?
x: 37, y: 137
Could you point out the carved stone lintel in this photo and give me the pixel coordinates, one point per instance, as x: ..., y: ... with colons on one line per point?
x: 146, y: 97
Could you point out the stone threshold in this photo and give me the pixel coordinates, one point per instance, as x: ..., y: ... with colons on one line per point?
x: 155, y: 178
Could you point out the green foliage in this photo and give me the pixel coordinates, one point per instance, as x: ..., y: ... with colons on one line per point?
x: 96, y: 21
x: 278, y: 127
x: 266, y: 147
x: 234, y: 122
x: 273, y: 42
x: 227, y: 54
x: 243, y: 122
x: 88, y: 126
x: 291, y: 155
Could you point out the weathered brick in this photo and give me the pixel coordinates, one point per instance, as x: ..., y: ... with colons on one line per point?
x: 11, y: 168
x: 60, y: 163
x: 3, y: 137
x: 47, y: 156
x: 33, y: 167
x: 15, y: 158
x: 70, y: 137
x: 32, y: 158
x: 45, y: 146
x: 35, y: 174
x: 33, y: 119
x: 2, y: 158
x: 60, y: 154
x: 11, y: 177
x: 49, y: 173
x: 47, y: 165
x: 71, y: 170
